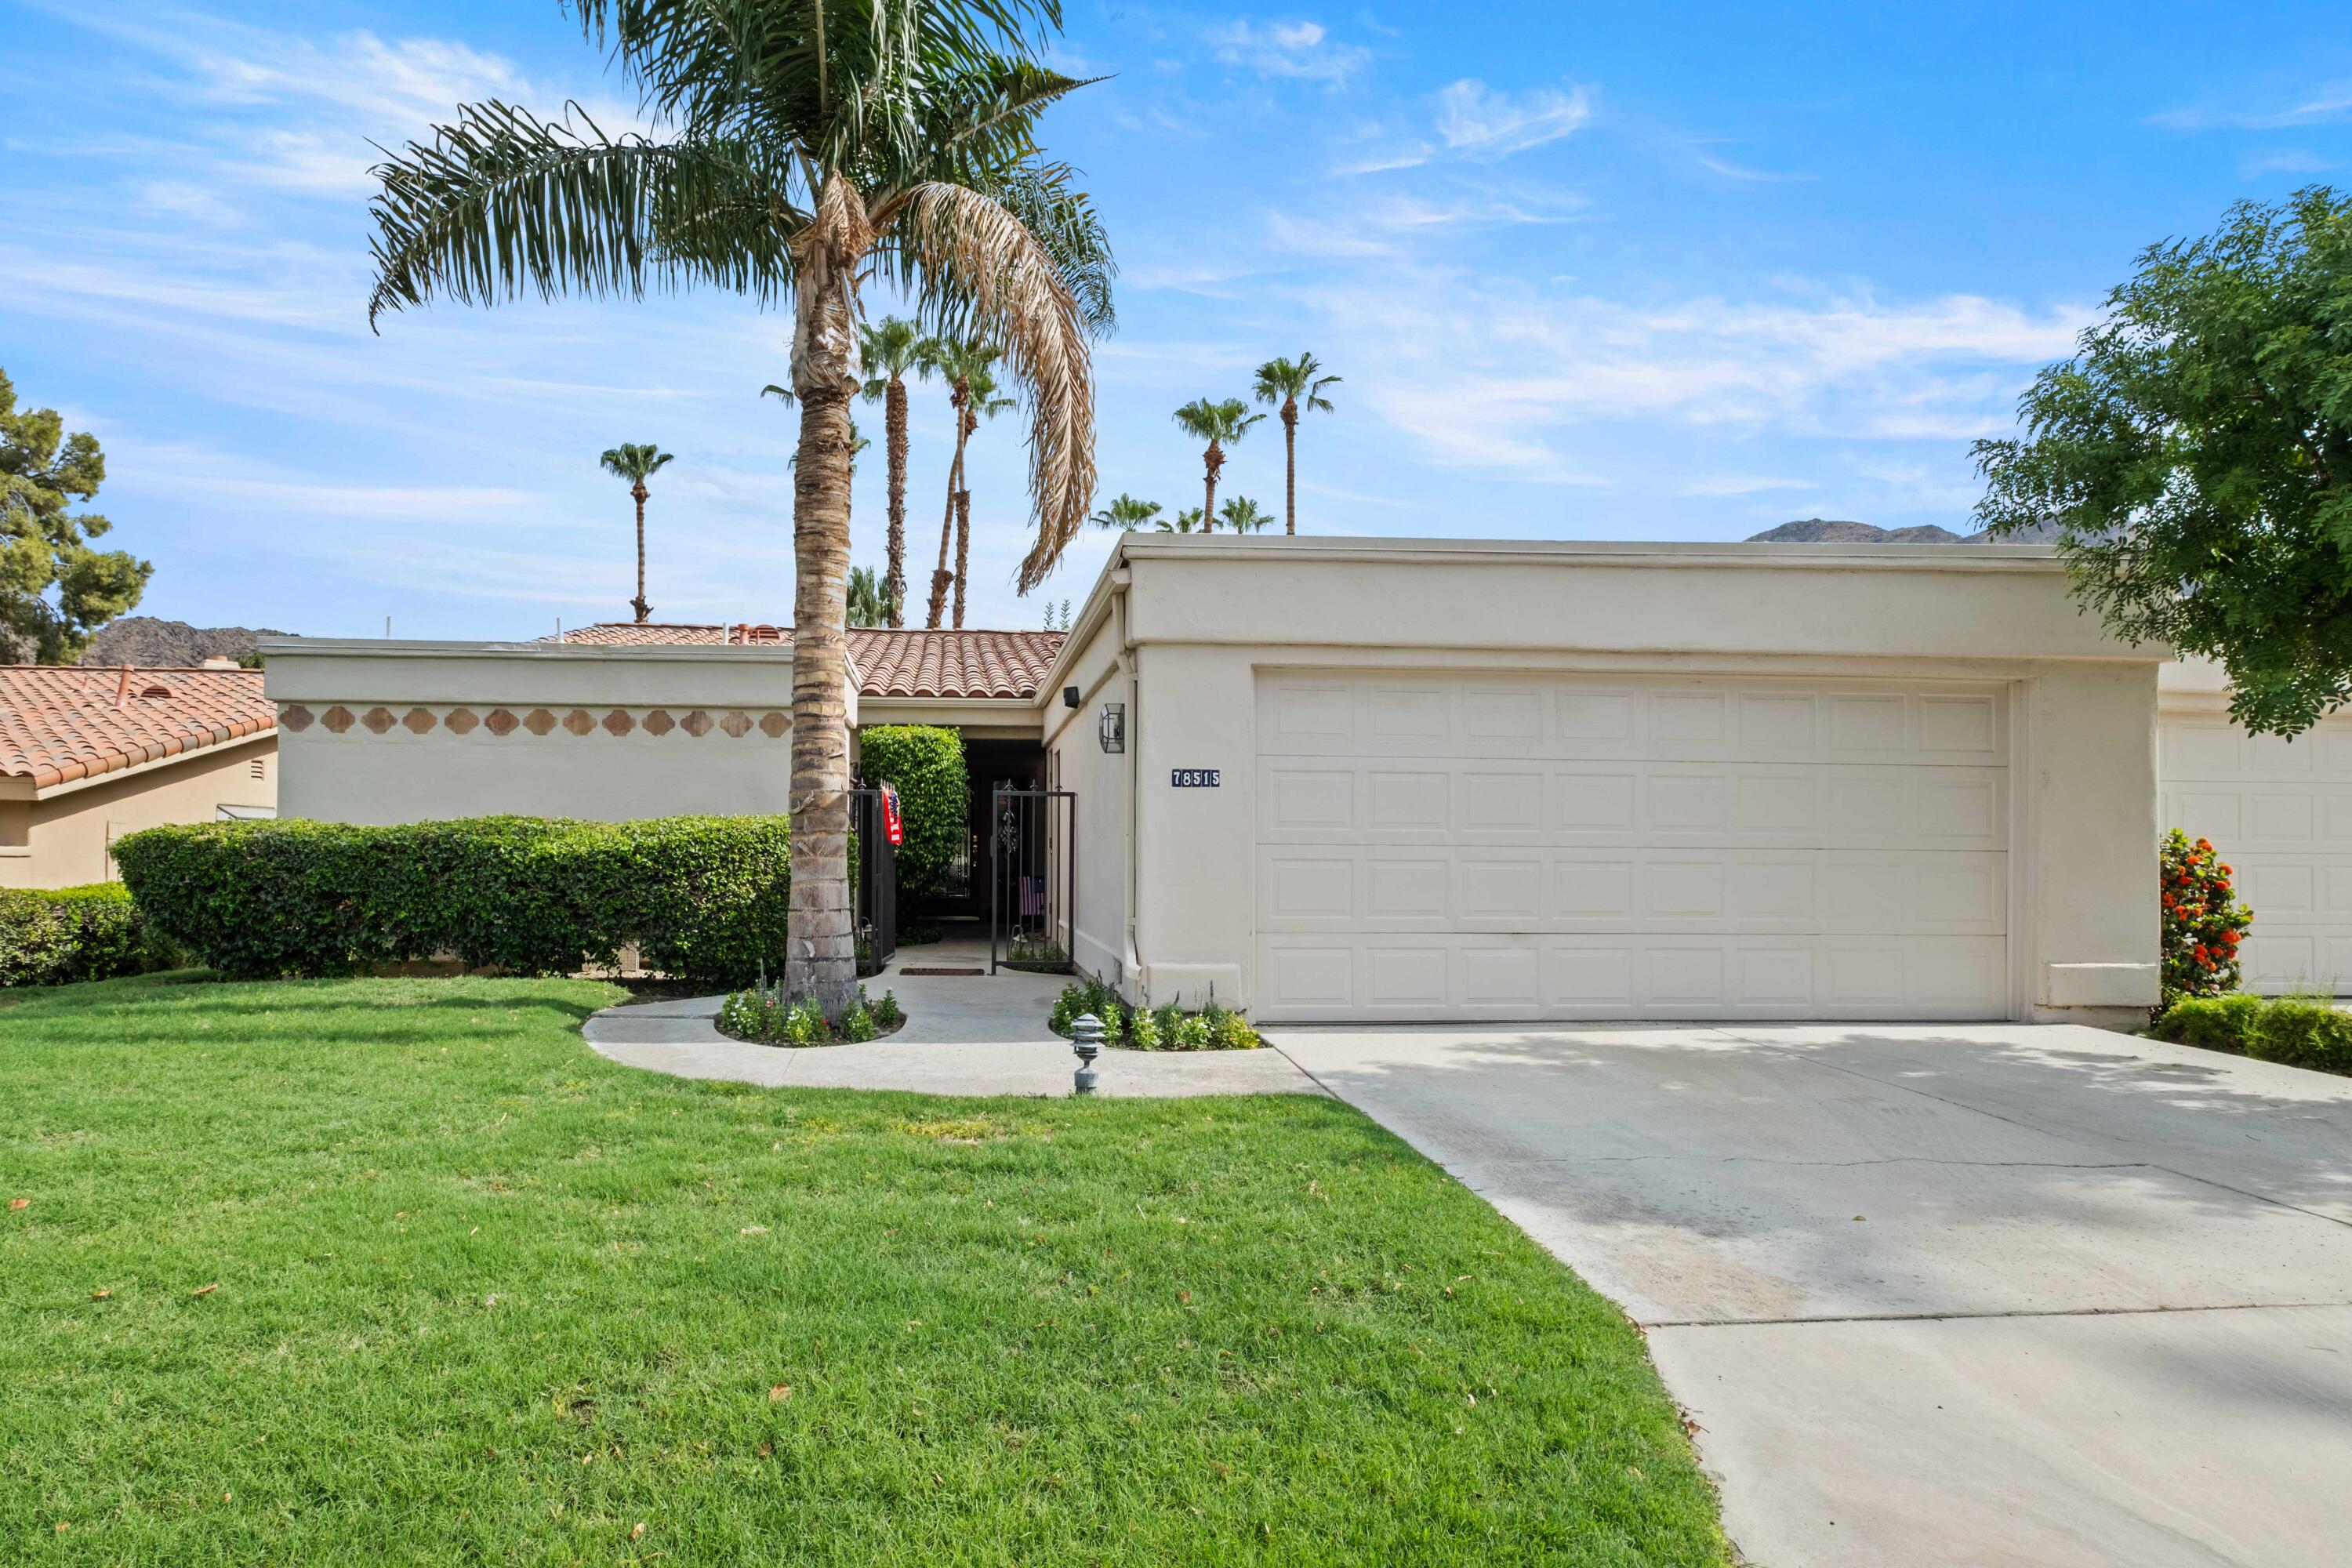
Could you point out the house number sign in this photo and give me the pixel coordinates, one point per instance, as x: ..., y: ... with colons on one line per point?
x: 1194, y: 778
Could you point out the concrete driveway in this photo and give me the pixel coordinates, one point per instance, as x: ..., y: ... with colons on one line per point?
x: 1948, y: 1295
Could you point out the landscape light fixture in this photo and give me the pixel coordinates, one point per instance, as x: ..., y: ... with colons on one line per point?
x: 1114, y: 727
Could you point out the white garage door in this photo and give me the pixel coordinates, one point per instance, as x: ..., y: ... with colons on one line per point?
x: 1461, y: 847
x: 2281, y: 813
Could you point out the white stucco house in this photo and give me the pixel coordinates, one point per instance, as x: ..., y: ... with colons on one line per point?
x: 1457, y: 779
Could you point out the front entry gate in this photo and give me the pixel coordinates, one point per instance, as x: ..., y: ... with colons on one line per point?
x: 875, y: 903
x: 1033, y: 886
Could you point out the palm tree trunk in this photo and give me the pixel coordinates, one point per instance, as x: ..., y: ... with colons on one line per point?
x: 894, y: 415
x: 820, y: 959
x: 942, y: 576
x: 963, y: 549
x: 1290, y: 465
x: 1210, y: 462
x: 645, y: 611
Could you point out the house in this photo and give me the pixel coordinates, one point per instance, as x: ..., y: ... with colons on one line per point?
x: 88, y: 754
x: 1336, y: 778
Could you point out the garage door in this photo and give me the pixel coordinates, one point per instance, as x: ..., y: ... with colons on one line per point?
x: 2281, y: 813
x: 1454, y: 847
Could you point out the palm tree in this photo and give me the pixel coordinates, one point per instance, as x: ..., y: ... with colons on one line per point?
x: 1220, y: 424
x: 966, y: 367
x: 637, y: 464
x: 890, y: 348
x: 1296, y: 384
x: 1187, y: 521
x: 805, y: 148
x: 1242, y: 515
x: 870, y: 602
x: 1128, y: 514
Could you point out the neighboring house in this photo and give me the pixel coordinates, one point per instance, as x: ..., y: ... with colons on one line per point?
x: 2280, y: 812
x: 89, y: 754
x: 1439, y: 779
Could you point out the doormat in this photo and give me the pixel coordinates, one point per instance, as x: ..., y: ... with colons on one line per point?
x: 913, y: 970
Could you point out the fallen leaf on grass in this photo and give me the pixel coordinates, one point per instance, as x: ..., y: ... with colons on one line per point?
x: 782, y: 1391
x: 638, y: 1533
x: 99, y: 1295
x: 754, y: 1230
x: 204, y: 1290
x: 14, y: 1204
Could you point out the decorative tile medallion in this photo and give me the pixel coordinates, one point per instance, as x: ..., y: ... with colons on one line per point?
x: 775, y: 725
x: 580, y: 721
x: 418, y: 721
x: 378, y: 720
x: 500, y: 723
x: 737, y: 724
x: 461, y: 721
x: 696, y: 723
x: 538, y: 722
x: 659, y: 723
x: 618, y: 722
x: 338, y: 718
x: 296, y: 717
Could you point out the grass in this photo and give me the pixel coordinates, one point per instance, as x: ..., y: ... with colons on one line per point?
x: 398, y: 1270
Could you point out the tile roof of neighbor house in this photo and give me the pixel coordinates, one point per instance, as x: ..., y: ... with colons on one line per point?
x: 909, y: 663
x: 63, y: 722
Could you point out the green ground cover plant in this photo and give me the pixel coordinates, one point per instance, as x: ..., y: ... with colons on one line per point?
x: 400, y: 1271
x: 766, y: 1015
x: 2300, y: 1031
x: 1167, y: 1027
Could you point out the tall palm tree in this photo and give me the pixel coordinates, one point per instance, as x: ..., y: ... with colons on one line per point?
x: 1297, y: 384
x: 1220, y: 424
x: 890, y: 348
x: 805, y: 148
x: 637, y: 464
x: 1126, y: 514
x: 869, y: 601
x: 1242, y: 515
x: 1187, y: 521
x: 967, y: 369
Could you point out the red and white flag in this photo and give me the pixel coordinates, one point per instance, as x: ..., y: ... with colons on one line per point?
x: 891, y: 824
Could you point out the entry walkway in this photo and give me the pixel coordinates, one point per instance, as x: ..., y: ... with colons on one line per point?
x: 965, y: 1034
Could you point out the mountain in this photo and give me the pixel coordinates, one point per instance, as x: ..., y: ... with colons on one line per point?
x: 149, y: 642
x: 1827, y: 531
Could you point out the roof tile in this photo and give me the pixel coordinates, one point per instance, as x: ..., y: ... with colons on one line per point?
x: 63, y: 722
x: 906, y: 663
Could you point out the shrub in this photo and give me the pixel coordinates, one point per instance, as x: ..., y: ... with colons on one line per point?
x: 60, y: 936
x: 1167, y: 1027
x: 887, y: 1012
x: 2299, y: 1031
x: 2202, y: 924
x: 763, y: 1013
x: 927, y: 766
x: 702, y: 898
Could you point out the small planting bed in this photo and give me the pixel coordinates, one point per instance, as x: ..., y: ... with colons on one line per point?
x: 764, y: 1015
x: 1168, y: 1028
x: 2299, y: 1031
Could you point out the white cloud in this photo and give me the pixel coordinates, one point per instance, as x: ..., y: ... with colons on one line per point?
x: 2284, y: 161
x: 1305, y: 50
x: 1744, y: 485
x: 1474, y: 120
x: 1731, y: 171
x: 2318, y: 106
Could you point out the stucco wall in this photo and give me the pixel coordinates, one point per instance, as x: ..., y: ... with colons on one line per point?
x: 64, y: 839
x: 1100, y: 781
x: 1206, y: 616
x: 418, y: 732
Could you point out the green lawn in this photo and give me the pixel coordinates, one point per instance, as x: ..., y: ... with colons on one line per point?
x: 400, y: 1270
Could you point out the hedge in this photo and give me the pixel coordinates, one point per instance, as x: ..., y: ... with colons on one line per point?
x: 2300, y: 1031
x: 934, y: 787
x: 702, y: 898
x: 59, y: 936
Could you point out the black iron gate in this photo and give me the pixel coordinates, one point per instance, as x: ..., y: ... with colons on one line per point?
x: 874, y: 906
x: 1032, y: 884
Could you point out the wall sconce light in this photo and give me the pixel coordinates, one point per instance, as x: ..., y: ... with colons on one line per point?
x: 1070, y: 697
x: 1114, y: 727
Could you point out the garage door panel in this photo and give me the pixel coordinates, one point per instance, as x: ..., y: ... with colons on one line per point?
x: 1573, y: 847
x: 1519, y: 976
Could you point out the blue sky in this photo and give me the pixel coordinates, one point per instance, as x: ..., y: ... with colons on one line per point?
x: 1590, y: 271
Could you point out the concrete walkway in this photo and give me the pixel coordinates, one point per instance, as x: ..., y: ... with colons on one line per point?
x: 1980, y: 1295
x: 980, y: 1035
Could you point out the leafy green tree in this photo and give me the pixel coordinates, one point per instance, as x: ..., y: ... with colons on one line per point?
x: 805, y: 148
x: 1219, y: 426
x: 891, y: 348
x: 1296, y: 384
x: 926, y: 764
x: 1242, y: 515
x: 968, y: 369
x: 1126, y: 514
x: 637, y: 464
x: 870, y: 602
x: 54, y: 590
x: 2193, y: 460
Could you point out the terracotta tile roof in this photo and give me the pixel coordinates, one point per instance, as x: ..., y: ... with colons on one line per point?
x: 910, y: 663
x: 58, y: 723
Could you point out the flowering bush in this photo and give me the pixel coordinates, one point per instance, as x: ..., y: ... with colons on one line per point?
x: 765, y: 1015
x: 2203, y: 924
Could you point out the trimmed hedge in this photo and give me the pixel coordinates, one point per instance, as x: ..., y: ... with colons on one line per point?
x: 63, y: 935
x: 2300, y: 1031
x: 702, y: 898
x: 926, y: 766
